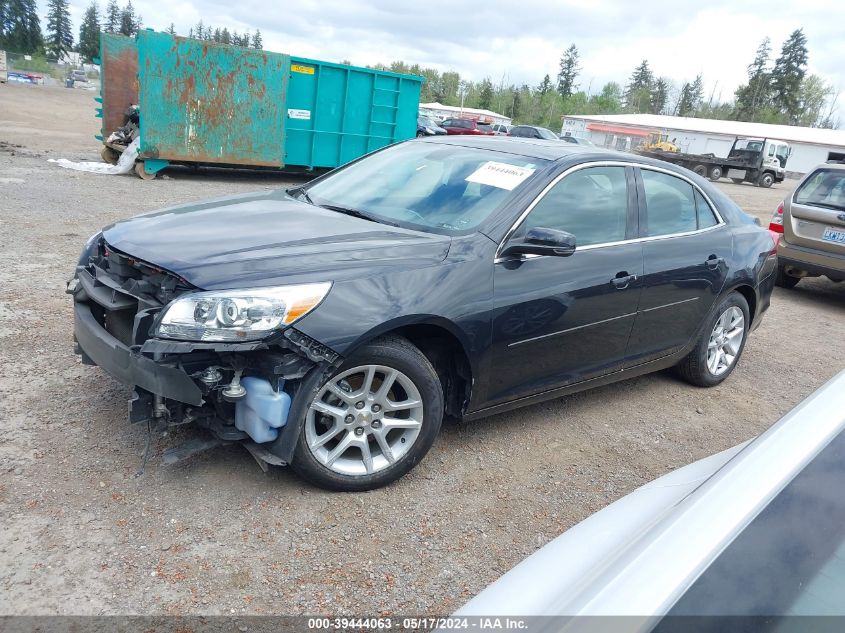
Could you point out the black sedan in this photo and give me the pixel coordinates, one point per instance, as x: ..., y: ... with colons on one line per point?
x: 429, y: 127
x: 335, y: 325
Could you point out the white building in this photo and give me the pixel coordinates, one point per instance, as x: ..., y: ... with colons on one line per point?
x: 440, y: 111
x: 810, y: 146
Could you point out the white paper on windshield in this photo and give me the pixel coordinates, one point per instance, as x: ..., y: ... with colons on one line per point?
x: 499, y: 175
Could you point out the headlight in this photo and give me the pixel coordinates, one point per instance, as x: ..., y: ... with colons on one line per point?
x: 238, y: 315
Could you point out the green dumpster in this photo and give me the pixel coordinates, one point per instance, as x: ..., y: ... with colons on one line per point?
x: 214, y: 104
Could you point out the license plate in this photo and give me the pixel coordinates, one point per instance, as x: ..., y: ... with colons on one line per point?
x: 834, y: 235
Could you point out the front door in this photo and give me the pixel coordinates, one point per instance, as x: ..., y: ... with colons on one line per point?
x: 562, y: 320
x: 686, y: 248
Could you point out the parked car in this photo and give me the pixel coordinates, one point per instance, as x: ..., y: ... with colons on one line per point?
x: 428, y: 127
x: 501, y: 129
x: 78, y: 75
x: 576, y: 141
x: 533, y: 131
x: 337, y: 323
x: 810, y: 224
x: 467, y: 126
x: 738, y: 539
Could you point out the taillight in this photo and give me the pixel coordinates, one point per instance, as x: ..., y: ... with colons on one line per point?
x: 776, y: 223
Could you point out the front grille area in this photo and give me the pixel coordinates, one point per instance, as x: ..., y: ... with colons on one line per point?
x: 126, y: 293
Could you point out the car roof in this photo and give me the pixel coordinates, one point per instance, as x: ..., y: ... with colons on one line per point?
x: 546, y: 149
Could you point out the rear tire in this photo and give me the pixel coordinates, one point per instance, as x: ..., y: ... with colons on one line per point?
x: 719, y: 338
x: 715, y: 173
x: 784, y: 280
x: 701, y: 170
x: 366, y: 429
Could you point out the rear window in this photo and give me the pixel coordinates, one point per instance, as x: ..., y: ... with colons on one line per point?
x: 825, y: 188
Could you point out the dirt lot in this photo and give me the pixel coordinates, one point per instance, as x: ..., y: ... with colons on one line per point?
x: 81, y: 534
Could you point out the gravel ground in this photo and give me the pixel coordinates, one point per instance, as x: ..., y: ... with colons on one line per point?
x: 215, y: 535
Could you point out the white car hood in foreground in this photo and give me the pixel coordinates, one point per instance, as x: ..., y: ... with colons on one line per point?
x: 637, y: 556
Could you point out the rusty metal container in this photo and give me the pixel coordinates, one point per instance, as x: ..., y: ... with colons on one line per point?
x: 207, y: 103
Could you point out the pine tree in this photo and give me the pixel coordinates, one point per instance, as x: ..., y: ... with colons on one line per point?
x: 569, y: 70
x: 199, y: 31
x: 516, y: 103
x: 112, y: 24
x: 691, y: 95
x: 89, y: 32
x: 130, y: 23
x: 755, y: 96
x: 59, y: 33
x: 256, y: 40
x: 22, y: 30
x: 4, y: 21
x: 788, y: 74
x: 485, y: 94
x: 171, y: 29
x: 638, y: 93
x: 659, y: 95
x: 545, y: 86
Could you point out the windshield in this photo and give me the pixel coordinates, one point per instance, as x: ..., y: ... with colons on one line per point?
x: 426, y: 122
x: 430, y: 186
x: 544, y: 133
x: 485, y: 127
x: 825, y: 188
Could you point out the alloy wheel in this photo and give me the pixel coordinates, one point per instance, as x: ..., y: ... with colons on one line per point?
x: 725, y: 341
x: 364, y: 420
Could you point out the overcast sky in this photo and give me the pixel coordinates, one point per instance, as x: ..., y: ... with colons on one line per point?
x: 522, y: 39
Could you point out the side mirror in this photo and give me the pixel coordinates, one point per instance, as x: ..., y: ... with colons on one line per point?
x: 540, y: 241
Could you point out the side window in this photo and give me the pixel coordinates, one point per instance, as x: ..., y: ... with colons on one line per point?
x: 706, y: 217
x: 591, y: 203
x: 771, y: 150
x: 670, y: 204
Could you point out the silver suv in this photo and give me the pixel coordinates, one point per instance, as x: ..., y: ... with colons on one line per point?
x: 811, y: 223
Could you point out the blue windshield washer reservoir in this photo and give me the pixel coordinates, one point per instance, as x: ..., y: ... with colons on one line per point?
x: 263, y: 410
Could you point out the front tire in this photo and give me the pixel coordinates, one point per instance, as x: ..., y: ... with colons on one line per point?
x: 766, y: 180
x: 373, y: 420
x: 720, y: 345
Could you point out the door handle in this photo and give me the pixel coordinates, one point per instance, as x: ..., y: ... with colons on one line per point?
x: 714, y: 262
x: 622, y: 280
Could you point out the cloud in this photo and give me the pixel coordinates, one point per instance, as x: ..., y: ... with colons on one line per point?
x: 521, y: 41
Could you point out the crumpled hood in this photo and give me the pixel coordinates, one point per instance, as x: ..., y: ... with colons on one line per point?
x: 269, y: 239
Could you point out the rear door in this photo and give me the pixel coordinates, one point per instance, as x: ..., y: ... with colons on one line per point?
x: 686, y: 247
x: 817, y: 212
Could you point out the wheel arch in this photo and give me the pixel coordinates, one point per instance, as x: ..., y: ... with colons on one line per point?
x: 749, y: 294
x: 443, y: 343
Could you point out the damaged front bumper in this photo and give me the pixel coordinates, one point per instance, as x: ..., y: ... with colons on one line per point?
x: 257, y: 390
x: 98, y: 347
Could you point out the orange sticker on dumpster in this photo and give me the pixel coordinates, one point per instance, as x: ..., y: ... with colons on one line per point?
x: 297, y: 68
